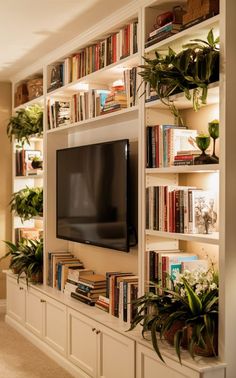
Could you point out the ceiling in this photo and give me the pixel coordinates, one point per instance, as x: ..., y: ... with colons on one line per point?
x: 32, y: 28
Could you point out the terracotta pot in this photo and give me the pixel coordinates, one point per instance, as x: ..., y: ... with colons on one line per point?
x: 37, y: 278
x: 208, y: 351
x: 170, y: 334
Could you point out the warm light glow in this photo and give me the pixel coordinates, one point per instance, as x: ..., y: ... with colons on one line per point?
x: 117, y: 83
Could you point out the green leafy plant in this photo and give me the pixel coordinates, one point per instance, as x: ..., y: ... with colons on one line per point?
x: 29, y: 259
x: 194, y: 67
x: 189, y: 312
x: 27, y: 202
x: 27, y: 122
x: 12, y: 252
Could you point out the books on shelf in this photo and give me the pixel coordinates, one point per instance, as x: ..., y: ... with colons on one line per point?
x: 162, y: 32
x: 180, y: 209
x: 94, y: 57
x: 123, y: 289
x: 89, y: 287
x: 23, y: 160
x: 163, y: 143
x: 164, y: 265
x: 28, y: 233
x: 59, y: 113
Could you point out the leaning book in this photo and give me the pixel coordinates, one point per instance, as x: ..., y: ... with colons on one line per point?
x: 203, y: 217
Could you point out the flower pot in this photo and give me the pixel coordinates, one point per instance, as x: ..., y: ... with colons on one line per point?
x: 208, y: 351
x: 37, y: 277
x: 170, y: 334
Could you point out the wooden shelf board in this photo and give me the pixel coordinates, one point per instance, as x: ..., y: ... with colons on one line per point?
x: 29, y: 177
x: 181, y: 102
x: 38, y: 100
x: 197, y: 31
x: 200, y: 238
x: 207, y: 168
x: 101, y: 120
x: 101, y: 77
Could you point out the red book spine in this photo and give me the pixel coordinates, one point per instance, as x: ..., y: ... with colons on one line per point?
x: 114, y: 49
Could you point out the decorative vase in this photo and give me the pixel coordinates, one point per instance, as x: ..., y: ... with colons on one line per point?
x: 203, y: 142
x: 213, y: 128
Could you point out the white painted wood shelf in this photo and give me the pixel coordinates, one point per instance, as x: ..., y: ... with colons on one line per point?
x: 212, y: 238
x: 204, y: 168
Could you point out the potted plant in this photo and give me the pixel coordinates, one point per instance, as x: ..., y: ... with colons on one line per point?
x: 12, y: 252
x: 27, y: 202
x: 37, y: 163
x: 29, y: 260
x: 188, y: 314
x: 194, y: 67
x: 27, y: 122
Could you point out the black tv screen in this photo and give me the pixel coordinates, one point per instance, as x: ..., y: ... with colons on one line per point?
x: 92, y: 194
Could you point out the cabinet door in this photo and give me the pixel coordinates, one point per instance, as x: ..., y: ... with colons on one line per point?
x: 82, y: 342
x: 149, y: 366
x: 55, y: 324
x: 116, y: 355
x: 16, y: 299
x: 34, y: 312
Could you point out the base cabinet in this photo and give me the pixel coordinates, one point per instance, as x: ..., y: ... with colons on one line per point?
x: 87, y: 348
x: 16, y: 299
x: 99, y: 351
x: 54, y: 331
x: 34, y: 312
x: 148, y: 365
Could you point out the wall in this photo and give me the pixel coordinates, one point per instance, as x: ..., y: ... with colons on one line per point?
x: 6, y: 174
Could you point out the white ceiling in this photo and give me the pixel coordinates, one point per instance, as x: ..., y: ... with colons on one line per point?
x: 30, y: 29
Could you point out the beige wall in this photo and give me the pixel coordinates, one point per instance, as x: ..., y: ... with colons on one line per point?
x: 5, y: 185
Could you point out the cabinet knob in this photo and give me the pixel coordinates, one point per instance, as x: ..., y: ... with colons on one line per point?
x: 42, y: 301
x: 21, y: 288
x: 93, y: 329
x: 97, y: 332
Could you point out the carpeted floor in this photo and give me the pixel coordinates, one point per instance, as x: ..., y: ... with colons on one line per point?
x: 20, y: 359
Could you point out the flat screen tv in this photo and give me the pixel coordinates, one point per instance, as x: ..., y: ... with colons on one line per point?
x: 92, y: 194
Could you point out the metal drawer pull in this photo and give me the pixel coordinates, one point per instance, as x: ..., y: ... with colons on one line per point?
x: 42, y: 301
x: 93, y: 329
x: 21, y: 288
x: 97, y: 332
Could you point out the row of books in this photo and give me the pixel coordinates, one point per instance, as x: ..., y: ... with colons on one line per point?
x: 23, y: 160
x: 164, y: 265
x: 94, y: 102
x: 122, y: 289
x: 163, y: 142
x: 94, y: 57
x: 162, y: 32
x: 32, y: 233
x: 180, y: 209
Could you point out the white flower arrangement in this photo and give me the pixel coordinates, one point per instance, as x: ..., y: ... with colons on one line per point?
x: 200, y: 280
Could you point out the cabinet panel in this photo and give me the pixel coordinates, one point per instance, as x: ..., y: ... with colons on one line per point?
x: 16, y: 299
x: 116, y: 355
x: 34, y: 312
x: 55, y: 325
x: 82, y: 340
x: 149, y: 366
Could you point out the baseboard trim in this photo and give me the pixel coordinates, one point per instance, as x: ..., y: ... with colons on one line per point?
x: 3, y: 303
x: 45, y: 348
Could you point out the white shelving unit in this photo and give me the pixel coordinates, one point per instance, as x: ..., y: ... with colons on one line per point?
x: 131, y: 123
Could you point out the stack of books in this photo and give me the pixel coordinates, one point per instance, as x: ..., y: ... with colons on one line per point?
x: 73, y: 277
x: 162, y: 32
x: 186, y: 157
x: 116, y: 100
x: 102, y: 303
x: 89, y: 288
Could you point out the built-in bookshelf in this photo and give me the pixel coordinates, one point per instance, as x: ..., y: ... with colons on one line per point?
x: 80, y: 76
